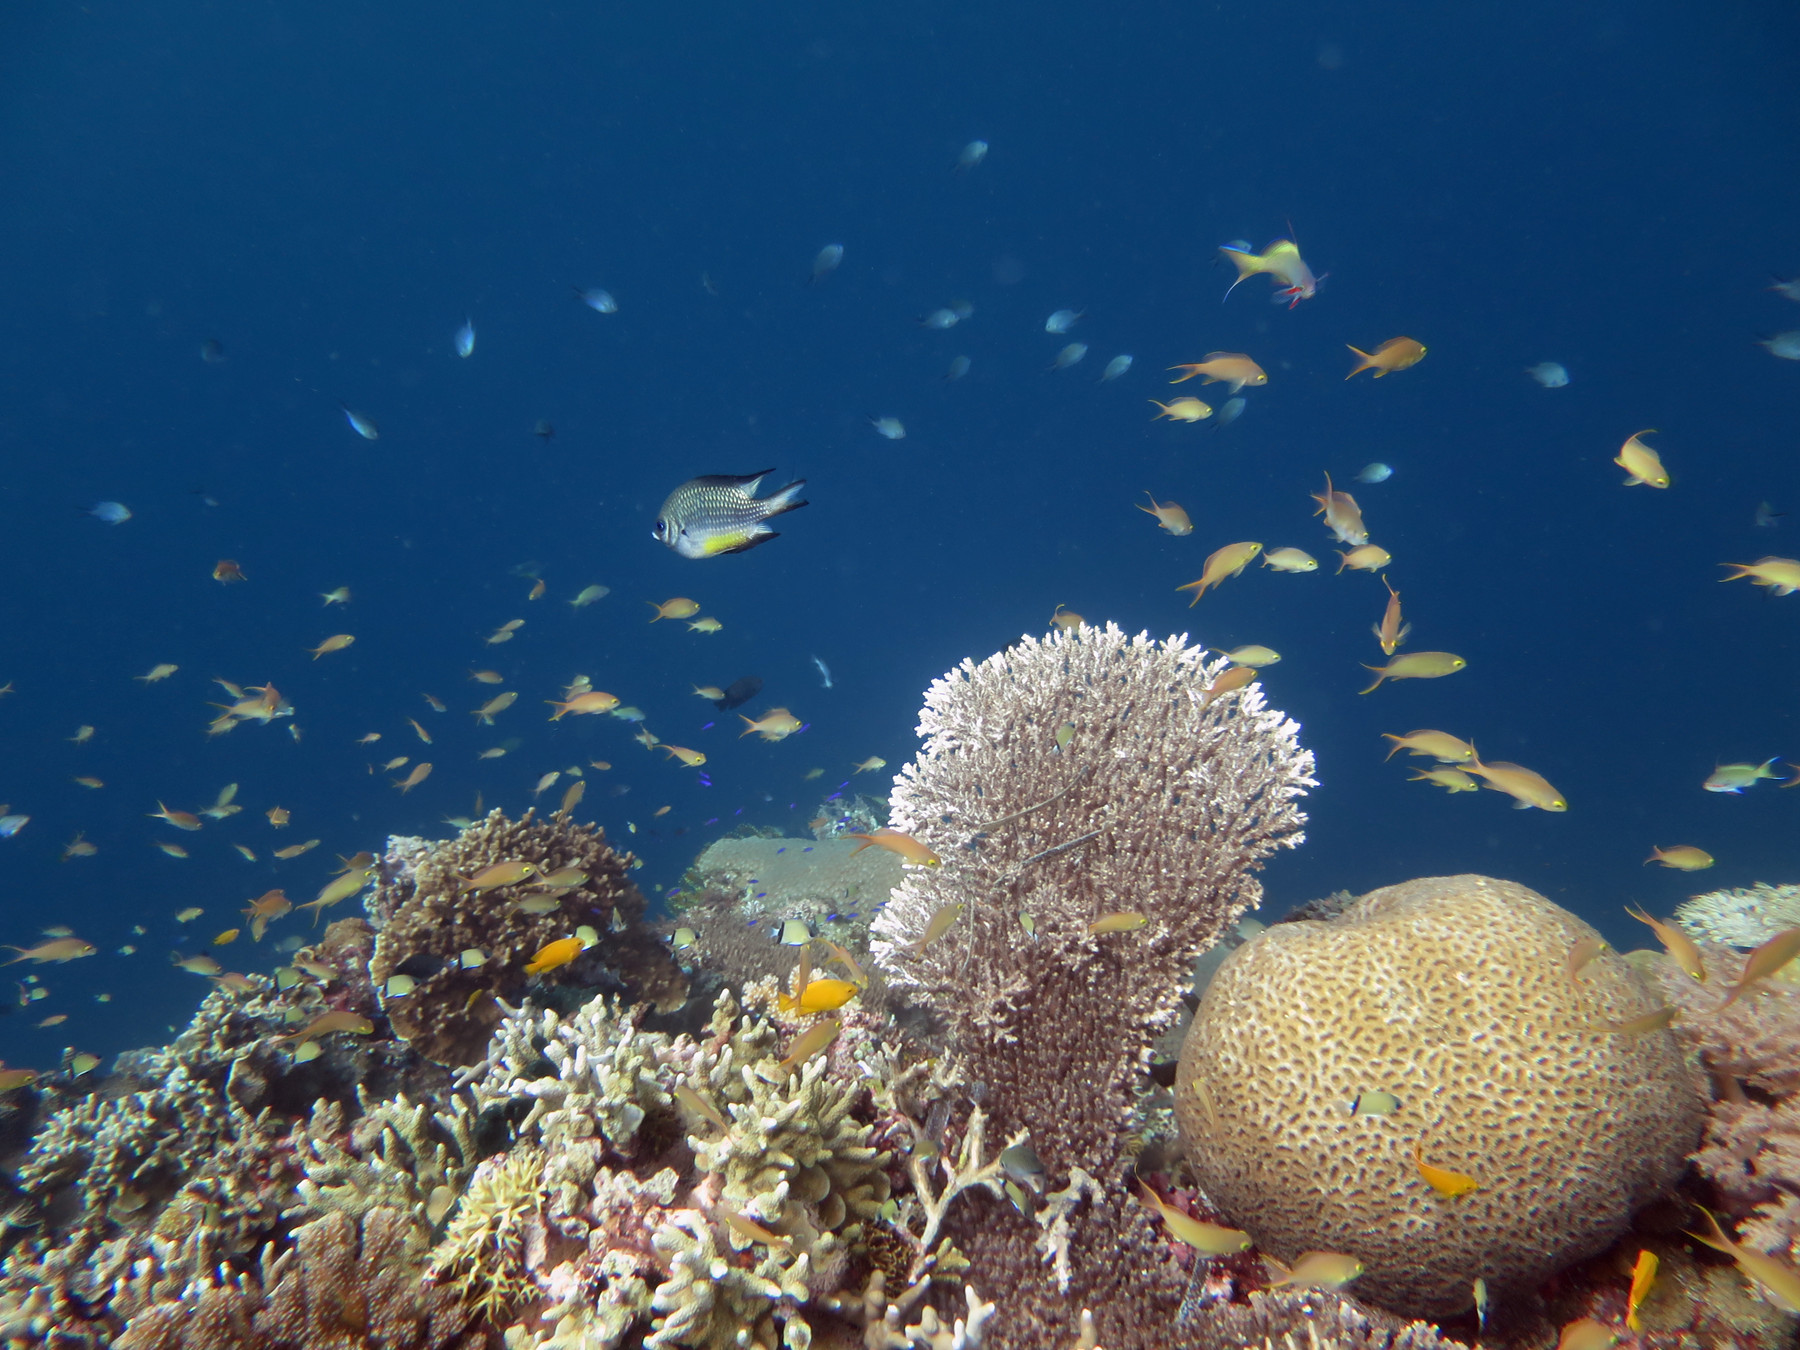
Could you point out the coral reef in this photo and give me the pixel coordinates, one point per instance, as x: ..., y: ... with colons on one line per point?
x: 1065, y: 779
x: 1451, y: 994
x: 1751, y: 1052
x: 1278, y: 1319
x: 429, y: 918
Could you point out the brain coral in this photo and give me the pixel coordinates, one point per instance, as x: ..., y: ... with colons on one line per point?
x: 1451, y: 994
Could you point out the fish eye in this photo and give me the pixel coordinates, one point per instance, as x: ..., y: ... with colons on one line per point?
x: 658, y: 530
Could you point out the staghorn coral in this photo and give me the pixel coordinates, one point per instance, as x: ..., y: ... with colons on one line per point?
x: 428, y: 920
x: 1450, y: 993
x: 1160, y: 802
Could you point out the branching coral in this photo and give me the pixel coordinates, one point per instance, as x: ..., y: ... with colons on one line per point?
x: 483, y: 1250
x: 400, y: 1155
x: 1065, y: 779
x: 432, y: 917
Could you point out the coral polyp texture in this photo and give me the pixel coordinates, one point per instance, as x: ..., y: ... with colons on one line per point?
x: 1451, y: 994
x: 1082, y: 777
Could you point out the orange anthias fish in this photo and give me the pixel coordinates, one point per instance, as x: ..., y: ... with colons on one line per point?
x: 420, y: 772
x: 264, y: 910
x: 181, y: 820
x: 1777, y: 1277
x: 226, y: 571
x: 553, y: 955
x: 1182, y: 410
x: 775, y: 725
x: 1220, y: 564
x: 1282, y: 261
x: 1342, y: 515
x: 57, y: 950
x: 1391, y: 632
x: 335, y: 643
x: 593, y: 701
x: 326, y: 1023
x: 1417, y: 666
x: 1764, y: 962
x: 1209, y: 1239
x: 1679, y: 945
x: 1233, y: 368
x: 692, y: 758
x: 1438, y: 745
x: 1521, y: 784
x: 1394, y: 354
x: 1169, y: 515
x: 909, y: 849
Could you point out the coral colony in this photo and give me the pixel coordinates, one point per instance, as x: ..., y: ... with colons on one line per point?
x: 907, y: 1084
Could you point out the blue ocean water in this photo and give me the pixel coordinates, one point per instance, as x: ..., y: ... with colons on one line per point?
x: 328, y: 190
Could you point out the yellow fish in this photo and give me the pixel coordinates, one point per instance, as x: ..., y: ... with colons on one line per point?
x: 420, y: 772
x: 1681, y: 857
x: 1252, y: 655
x: 1209, y: 1239
x: 1438, y: 745
x: 58, y: 950
x: 692, y: 758
x: 1182, y: 410
x: 553, y: 955
x: 1441, y: 1179
x: 264, y: 910
x: 775, y: 725
x: 869, y: 765
x: 160, y: 671
x: 1127, y: 921
x: 335, y: 643
x: 1394, y: 354
x: 1416, y: 666
x: 1780, y: 575
x: 498, y: 875
x: 326, y: 1023
x: 1641, y: 463
x: 814, y: 1042
x: 1290, y: 560
x: 818, y: 996
x: 593, y: 701
x: 679, y: 608
x: 709, y: 691
x: 1521, y: 784
x: 1065, y: 619
x: 1220, y: 564
x: 1643, y: 1279
x: 1581, y: 954
x: 706, y: 625
x: 1329, y: 1271
x: 499, y: 703
x: 940, y: 923
x: 1451, y: 780
x: 1587, y: 1334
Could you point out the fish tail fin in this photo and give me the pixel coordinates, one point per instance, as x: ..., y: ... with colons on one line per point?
x: 1398, y: 742
x: 788, y: 499
x: 1380, y: 675
x: 1717, y: 1238
x: 1363, y: 364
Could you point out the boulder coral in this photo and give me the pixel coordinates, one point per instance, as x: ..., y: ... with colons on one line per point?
x: 1453, y: 995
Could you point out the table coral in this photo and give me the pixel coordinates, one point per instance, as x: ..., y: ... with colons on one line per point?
x: 428, y: 919
x: 1449, y: 993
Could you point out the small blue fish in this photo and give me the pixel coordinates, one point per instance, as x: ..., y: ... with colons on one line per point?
x: 958, y: 368
x: 1069, y: 355
x: 1229, y: 412
x: 362, y: 425
x: 465, y: 339
x: 1115, y: 368
x: 827, y: 261
x: 599, y: 301
x: 824, y: 672
x: 1063, y: 320
x: 113, y: 513
x: 976, y: 151
x: 1549, y: 374
x: 11, y: 825
x: 1375, y: 473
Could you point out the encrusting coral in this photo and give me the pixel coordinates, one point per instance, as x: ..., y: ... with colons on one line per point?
x: 1064, y: 780
x: 430, y: 918
x: 1549, y: 1126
